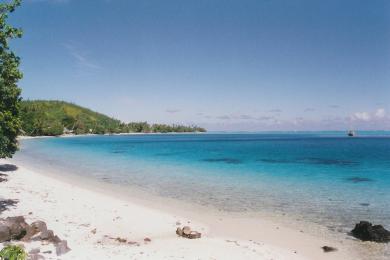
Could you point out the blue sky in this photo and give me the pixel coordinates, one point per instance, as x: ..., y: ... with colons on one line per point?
x: 226, y: 65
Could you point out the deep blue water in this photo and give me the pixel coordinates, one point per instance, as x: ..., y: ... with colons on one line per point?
x: 326, y: 178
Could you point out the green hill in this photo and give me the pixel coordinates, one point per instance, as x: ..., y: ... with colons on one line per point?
x: 47, y: 117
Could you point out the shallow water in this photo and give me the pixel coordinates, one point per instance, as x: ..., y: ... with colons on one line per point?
x: 325, y: 178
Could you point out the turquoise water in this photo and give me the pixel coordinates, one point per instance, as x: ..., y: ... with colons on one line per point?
x: 325, y: 177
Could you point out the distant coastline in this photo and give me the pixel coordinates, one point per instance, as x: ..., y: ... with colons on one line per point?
x: 55, y: 118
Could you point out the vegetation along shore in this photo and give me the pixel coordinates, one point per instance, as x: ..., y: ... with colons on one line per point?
x: 53, y: 118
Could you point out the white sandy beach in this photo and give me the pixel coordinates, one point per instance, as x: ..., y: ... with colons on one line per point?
x: 74, y: 212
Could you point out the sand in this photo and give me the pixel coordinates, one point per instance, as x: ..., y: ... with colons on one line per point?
x: 91, y: 220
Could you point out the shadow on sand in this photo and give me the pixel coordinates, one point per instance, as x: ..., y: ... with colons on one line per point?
x: 5, y: 204
x: 8, y: 167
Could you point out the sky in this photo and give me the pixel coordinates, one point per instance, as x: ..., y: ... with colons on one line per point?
x: 243, y: 65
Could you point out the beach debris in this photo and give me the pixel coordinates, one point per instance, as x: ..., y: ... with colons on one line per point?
x: 121, y: 240
x: 16, y: 228
x: 328, y: 249
x: 62, y: 247
x: 33, y: 254
x: 133, y: 243
x: 365, y: 231
x: 233, y: 241
x: 188, y: 233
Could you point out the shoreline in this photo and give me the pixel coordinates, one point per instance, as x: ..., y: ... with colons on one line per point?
x: 262, y: 235
x: 23, y: 137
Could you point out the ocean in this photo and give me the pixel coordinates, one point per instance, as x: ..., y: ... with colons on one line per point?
x: 323, y: 177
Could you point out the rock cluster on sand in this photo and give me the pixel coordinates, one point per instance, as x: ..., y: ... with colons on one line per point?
x: 16, y: 228
x: 367, y: 232
x: 188, y: 233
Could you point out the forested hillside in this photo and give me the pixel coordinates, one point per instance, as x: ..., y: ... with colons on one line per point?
x: 43, y: 117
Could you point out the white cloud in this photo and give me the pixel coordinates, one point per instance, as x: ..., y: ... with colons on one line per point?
x: 81, y: 59
x: 363, y: 116
x: 380, y: 113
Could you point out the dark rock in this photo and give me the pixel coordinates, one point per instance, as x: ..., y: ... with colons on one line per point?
x: 13, y: 228
x: 179, y: 231
x: 328, y: 249
x: 46, y: 235
x: 43, y: 235
x: 147, y: 240
x: 367, y: 232
x: 62, y: 248
x: 186, y: 230
x: 35, y: 228
x: 194, y: 235
x: 39, y: 226
x: 188, y: 233
x: 5, y: 234
x: 16, y: 228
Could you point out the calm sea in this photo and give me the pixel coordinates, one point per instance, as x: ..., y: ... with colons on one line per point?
x: 326, y: 177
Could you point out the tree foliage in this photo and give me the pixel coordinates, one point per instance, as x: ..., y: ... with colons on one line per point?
x: 9, y: 77
x: 43, y: 117
x: 13, y: 252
